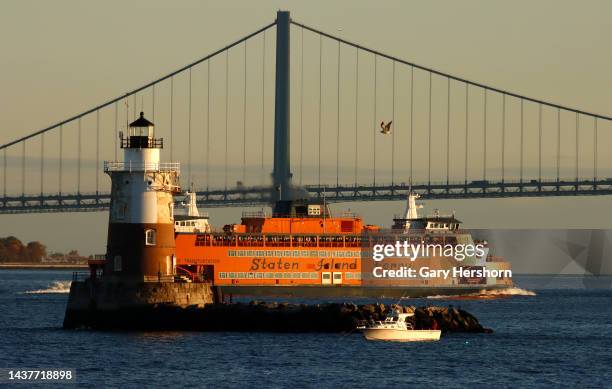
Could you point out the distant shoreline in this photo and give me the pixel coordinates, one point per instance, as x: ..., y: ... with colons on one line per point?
x: 16, y: 265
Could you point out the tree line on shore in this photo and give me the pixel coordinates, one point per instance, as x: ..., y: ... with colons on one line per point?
x: 13, y: 250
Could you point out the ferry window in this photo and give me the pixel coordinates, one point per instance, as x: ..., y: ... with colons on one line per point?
x: 150, y: 237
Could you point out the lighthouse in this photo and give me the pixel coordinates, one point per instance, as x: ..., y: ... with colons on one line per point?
x: 140, y: 242
x: 138, y: 272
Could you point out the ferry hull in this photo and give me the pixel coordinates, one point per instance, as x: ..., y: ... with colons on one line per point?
x: 355, y: 291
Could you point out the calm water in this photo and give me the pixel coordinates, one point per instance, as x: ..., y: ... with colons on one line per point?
x: 562, y: 336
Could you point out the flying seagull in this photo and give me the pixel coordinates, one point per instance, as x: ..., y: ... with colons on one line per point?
x: 385, y: 128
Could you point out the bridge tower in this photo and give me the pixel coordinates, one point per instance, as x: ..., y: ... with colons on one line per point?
x: 141, y: 219
x: 281, y: 175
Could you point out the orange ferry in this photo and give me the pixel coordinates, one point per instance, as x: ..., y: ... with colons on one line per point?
x: 302, y: 250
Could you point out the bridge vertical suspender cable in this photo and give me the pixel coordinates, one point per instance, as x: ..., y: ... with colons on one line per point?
x: 97, y: 151
x: 356, y: 109
x: 411, y: 117
x: 467, y: 128
x: 226, y: 113
x: 244, y: 112
x: 522, y: 125
x: 207, y: 125
x: 558, y: 144
x: 115, y: 136
x: 42, y: 163
x: 320, y: 105
x: 189, y: 182
x: 577, y: 147
x: 484, y: 141
x: 393, y: 132
x: 23, y: 154
x: 375, y: 121
x: 429, y: 136
x: 448, y: 106
x: 540, y: 142
x: 594, y: 149
x: 338, y: 122
x: 79, y: 156
x: 503, y: 140
x: 4, y: 175
x: 61, y: 158
x: 171, y: 118
x: 153, y: 103
x: 263, y: 107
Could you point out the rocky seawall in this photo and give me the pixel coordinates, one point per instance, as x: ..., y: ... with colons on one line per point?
x: 269, y: 317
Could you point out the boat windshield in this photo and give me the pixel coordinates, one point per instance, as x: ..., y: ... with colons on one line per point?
x: 392, y: 318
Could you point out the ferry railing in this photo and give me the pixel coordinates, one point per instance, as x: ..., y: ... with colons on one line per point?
x: 494, y: 258
x: 349, y: 215
x: 255, y: 214
x: 304, y: 240
x: 179, y: 270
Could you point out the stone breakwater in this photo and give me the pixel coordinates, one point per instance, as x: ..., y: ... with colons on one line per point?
x: 269, y: 317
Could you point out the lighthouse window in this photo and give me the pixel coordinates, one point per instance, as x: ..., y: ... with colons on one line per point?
x: 150, y: 237
x: 117, y: 263
x: 120, y: 210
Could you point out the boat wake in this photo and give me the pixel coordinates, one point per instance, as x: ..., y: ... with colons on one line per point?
x: 487, y: 294
x: 514, y: 291
x: 55, y: 287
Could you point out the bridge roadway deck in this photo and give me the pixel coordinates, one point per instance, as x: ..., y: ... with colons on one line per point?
x: 257, y: 196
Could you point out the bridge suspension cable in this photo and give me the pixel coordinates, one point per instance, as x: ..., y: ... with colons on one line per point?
x: 146, y: 86
x: 490, y: 149
x: 78, y: 155
x: 414, y: 105
x: 447, y: 75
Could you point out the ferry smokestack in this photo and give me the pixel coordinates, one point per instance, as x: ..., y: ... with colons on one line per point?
x: 281, y: 176
x: 141, y: 242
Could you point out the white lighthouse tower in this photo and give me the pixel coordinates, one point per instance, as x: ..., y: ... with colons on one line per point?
x: 141, y: 221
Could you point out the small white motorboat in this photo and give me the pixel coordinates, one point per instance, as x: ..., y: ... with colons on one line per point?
x: 395, y: 328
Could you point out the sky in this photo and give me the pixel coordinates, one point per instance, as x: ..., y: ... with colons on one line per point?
x: 63, y: 57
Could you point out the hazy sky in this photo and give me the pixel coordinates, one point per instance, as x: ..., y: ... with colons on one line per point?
x: 63, y: 57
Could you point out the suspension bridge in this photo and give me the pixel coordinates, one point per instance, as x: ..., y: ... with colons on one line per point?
x: 290, y: 106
